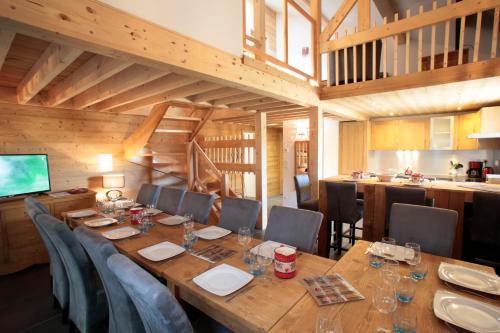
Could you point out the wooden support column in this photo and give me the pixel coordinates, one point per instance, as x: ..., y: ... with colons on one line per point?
x: 364, y: 15
x: 315, y: 149
x: 259, y: 24
x: 261, y: 166
x: 190, y: 165
x: 315, y: 33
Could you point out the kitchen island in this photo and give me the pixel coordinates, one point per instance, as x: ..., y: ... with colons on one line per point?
x: 449, y: 195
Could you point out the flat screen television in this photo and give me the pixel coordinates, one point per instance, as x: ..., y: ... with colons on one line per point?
x: 23, y: 174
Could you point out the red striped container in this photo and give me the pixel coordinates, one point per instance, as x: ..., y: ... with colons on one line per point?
x: 285, y: 259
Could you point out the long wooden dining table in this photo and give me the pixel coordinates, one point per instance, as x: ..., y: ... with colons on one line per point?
x: 278, y: 305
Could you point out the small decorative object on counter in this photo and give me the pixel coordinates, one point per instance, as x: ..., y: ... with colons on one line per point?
x: 135, y: 215
x: 357, y: 175
x: 285, y: 262
x: 417, y: 178
x: 454, y: 167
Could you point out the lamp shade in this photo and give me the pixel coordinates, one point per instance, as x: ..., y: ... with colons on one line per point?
x: 113, y: 181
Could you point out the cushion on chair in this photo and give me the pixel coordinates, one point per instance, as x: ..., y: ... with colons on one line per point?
x: 310, y: 205
x: 237, y: 213
x: 170, y: 200
x: 302, y: 188
x: 197, y: 204
x: 148, y: 194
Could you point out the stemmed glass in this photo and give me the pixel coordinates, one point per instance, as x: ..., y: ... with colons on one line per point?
x: 244, y: 238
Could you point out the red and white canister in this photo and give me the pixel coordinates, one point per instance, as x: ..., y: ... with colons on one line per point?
x: 134, y: 215
x: 285, y: 259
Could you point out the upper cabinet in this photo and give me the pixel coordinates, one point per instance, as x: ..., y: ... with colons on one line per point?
x: 442, y: 133
x: 383, y: 135
x: 403, y: 134
x: 466, y: 124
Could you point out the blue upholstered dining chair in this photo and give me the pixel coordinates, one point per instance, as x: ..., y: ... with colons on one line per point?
x: 159, y: 310
x: 120, y: 306
x: 170, y: 200
x: 295, y: 227
x: 148, y: 194
x: 88, y: 308
x: 237, y: 213
x: 404, y: 195
x: 432, y: 228
x: 197, y: 204
x: 60, y: 284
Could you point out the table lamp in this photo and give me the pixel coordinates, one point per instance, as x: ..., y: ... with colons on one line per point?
x: 113, y: 181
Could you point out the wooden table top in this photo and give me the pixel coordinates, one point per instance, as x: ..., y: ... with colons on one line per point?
x: 361, y: 316
x: 256, y: 310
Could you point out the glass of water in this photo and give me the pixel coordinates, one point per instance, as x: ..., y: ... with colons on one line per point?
x: 404, y: 320
x: 189, y: 239
x: 419, y: 271
x: 384, y: 298
x: 405, y: 289
x: 244, y: 238
x: 412, y: 254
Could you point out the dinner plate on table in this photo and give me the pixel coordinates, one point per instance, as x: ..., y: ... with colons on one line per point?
x: 223, y: 280
x: 212, y: 232
x: 173, y: 220
x: 100, y: 222
x: 153, y: 211
x: 469, y: 278
x: 466, y: 313
x: 121, y: 233
x: 269, y: 246
x: 161, y: 251
x: 82, y: 213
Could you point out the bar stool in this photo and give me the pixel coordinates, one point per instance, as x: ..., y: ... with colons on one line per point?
x: 343, y: 207
x: 303, y: 190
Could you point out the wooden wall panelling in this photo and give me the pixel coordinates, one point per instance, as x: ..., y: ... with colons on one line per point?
x: 353, y: 145
x: 274, y: 161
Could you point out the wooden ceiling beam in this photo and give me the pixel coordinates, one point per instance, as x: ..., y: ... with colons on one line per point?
x: 94, y: 71
x: 165, y: 83
x: 236, y: 99
x: 200, y: 125
x: 337, y: 20
x: 6, y: 38
x: 125, y: 80
x: 187, y: 90
x: 265, y: 107
x: 285, y: 108
x: 51, y: 63
x: 253, y: 102
x: 215, y: 94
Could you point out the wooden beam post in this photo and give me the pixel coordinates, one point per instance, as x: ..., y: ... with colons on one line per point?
x: 190, y: 165
x: 315, y: 149
x: 202, y: 123
x: 315, y: 33
x: 337, y: 19
x: 364, y: 15
x: 261, y: 166
x: 6, y: 38
x: 259, y: 24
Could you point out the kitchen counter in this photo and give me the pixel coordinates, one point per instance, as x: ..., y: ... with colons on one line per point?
x: 446, y: 194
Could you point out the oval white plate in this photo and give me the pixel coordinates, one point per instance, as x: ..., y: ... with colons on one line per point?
x: 469, y: 278
x: 466, y: 313
x: 100, y: 222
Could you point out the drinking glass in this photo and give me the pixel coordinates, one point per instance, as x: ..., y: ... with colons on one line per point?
x: 150, y: 209
x: 244, y: 238
x: 389, y: 277
x: 99, y: 204
x: 120, y: 213
x: 255, y: 265
x: 419, y: 271
x: 143, y: 223
x: 405, y: 289
x: 404, y: 320
x: 384, y: 298
x: 388, y: 247
x: 391, y: 265
x: 189, y: 216
x: 189, y: 239
x: 412, y: 253
x: 328, y: 325
x: 263, y: 258
x: 375, y: 260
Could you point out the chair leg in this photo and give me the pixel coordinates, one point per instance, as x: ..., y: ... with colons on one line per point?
x: 65, y: 314
x: 353, y: 234
x: 338, y: 233
x: 72, y: 327
x: 55, y: 302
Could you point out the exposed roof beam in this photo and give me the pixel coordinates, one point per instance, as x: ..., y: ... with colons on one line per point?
x: 284, y: 108
x: 236, y: 99
x: 94, y: 71
x: 127, y: 79
x: 6, y: 38
x: 265, y: 107
x: 252, y: 102
x: 215, y: 94
x: 200, y: 125
x: 337, y: 19
x: 51, y: 63
x: 165, y: 83
x: 188, y: 90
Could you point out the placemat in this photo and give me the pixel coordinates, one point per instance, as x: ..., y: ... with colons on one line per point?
x: 213, y: 253
x: 331, y: 289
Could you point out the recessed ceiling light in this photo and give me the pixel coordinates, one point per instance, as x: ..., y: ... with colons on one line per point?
x: 384, y: 109
x: 391, y: 114
x: 459, y: 107
x: 373, y: 103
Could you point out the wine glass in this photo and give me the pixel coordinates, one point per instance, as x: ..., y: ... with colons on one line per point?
x: 412, y: 254
x: 244, y: 238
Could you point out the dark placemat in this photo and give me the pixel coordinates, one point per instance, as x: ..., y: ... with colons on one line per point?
x: 214, y: 253
x: 331, y: 289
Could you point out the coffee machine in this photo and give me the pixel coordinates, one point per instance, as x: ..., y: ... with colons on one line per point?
x: 475, y: 172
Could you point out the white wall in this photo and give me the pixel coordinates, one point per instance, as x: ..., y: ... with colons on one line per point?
x: 215, y: 22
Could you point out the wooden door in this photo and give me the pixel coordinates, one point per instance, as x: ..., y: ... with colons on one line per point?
x: 413, y: 134
x: 383, y: 135
x: 353, y: 146
x: 466, y: 124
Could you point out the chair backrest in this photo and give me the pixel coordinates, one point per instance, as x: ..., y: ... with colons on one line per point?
x: 148, y: 194
x: 159, y: 310
x: 302, y: 188
x: 197, y: 204
x: 404, y: 195
x: 433, y: 228
x: 60, y: 284
x: 295, y: 227
x: 83, y: 301
x: 341, y: 202
x: 237, y: 213
x: 123, y: 316
x: 170, y: 199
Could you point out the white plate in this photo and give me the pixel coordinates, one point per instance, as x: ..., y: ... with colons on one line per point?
x: 223, y: 280
x: 469, y: 278
x: 120, y: 233
x: 466, y: 313
x: 100, y: 222
x: 153, y: 211
x: 173, y: 220
x: 161, y: 251
x: 398, y: 251
x: 82, y: 213
x: 270, y: 246
x: 212, y: 232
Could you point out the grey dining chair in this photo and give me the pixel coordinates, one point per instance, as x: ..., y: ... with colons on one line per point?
x: 120, y: 305
x: 303, y: 191
x: 148, y: 194
x: 197, y: 204
x: 237, y: 213
x: 433, y: 228
x: 159, y: 310
x: 170, y: 200
x: 343, y: 207
x: 60, y: 284
x: 295, y: 227
x: 88, y: 309
x: 404, y: 195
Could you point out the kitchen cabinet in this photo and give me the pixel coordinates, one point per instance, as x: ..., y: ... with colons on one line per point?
x: 400, y: 134
x: 442, y: 133
x: 466, y: 124
x: 353, y: 146
x: 383, y: 135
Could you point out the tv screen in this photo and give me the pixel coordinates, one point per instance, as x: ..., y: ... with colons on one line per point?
x: 23, y: 174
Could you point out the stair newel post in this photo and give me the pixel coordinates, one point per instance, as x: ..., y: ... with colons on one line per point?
x: 224, y: 185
